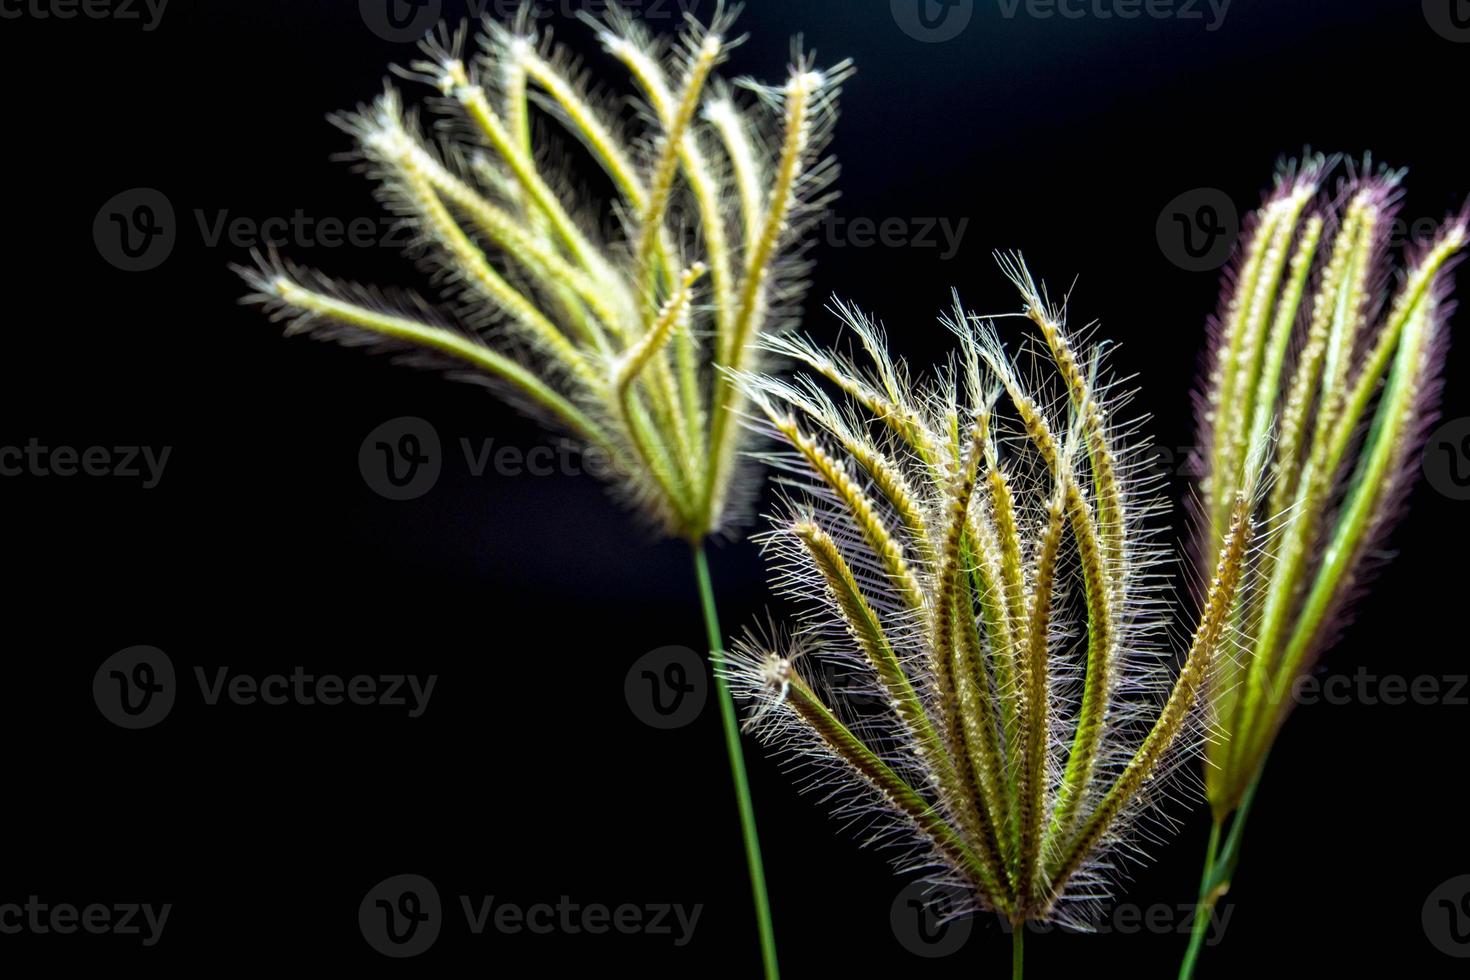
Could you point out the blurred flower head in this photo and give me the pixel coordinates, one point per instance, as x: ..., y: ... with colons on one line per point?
x: 615, y: 321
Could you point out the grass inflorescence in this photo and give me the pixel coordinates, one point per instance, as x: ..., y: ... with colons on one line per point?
x: 982, y: 669
x: 1330, y: 355
x: 620, y: 333
x: 622, y: 323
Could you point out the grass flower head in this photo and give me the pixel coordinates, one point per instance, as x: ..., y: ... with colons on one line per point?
x: 614, y: 321
x: 1321, y: 353
x: 982, y: 670
x: 621, y: 323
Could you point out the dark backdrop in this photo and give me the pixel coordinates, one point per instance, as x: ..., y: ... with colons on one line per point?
x: 528, y: 777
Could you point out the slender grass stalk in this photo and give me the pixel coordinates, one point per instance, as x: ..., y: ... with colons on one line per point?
x: 1215, y: 880
x: 1315, y: 355
x: 1018, y: 953
x: 978, y: 674
x: 731, y: 723
x: 624, y: 337
x: 1204, y: 904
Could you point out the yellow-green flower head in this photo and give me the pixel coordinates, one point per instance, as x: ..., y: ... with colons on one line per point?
x: 1331, y: 355
x: 617, y: 322
x: 982, y: 660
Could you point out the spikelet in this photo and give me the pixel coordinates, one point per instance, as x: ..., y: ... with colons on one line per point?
x: 981, y: 672
x: 616, y: 323
x: 1319, y: 354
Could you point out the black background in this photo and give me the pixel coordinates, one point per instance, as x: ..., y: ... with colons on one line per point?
x: 528, y: 777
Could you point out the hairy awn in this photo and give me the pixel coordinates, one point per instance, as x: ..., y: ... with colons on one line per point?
x: 624, y: 338
x: 982, y: 667
x: 1313, y: 353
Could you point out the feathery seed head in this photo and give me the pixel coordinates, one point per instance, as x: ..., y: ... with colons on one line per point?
x: 624, y: 341
x: 973, y: 559
x: 1330, y: 372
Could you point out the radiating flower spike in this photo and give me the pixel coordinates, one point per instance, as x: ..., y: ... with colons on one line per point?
x: 1332, y: 357
x: 972, y: 553
x: 625, y: 334
x: 706, y: 264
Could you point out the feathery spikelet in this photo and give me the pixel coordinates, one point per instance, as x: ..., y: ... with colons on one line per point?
x: 1312, y: 356
x: 620, y: 336
x: 982, y: 669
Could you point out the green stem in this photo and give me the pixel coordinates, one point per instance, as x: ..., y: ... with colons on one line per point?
x: 1018, y: 949
x: 1197, y: 933
x: 1219, y: 869
x: 737, y: 767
